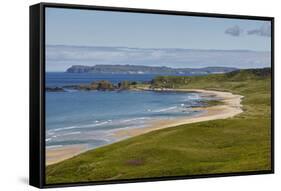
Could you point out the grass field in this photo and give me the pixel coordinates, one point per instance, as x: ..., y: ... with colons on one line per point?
x: 238, y: 144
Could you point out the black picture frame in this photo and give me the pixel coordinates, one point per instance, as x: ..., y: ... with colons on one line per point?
x: 37, y: 92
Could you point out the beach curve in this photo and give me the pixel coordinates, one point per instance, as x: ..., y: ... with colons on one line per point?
x: 231, y: 107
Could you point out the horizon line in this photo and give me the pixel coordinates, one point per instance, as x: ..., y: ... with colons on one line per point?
x: 169, y: 67
x: 100, y: 46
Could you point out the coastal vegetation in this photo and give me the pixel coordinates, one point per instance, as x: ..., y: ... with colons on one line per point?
x: 237, y: 144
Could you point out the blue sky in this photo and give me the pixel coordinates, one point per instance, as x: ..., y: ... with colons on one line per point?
x: 88, y: 28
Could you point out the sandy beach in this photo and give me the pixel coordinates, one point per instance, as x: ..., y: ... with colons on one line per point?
x: 231, y: 107
x: 57, y: 154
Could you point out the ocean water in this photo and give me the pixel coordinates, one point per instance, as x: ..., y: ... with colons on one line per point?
x: 63, y: 78
x: 91, y: 117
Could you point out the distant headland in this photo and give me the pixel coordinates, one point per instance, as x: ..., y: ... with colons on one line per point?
x: 138, y: 69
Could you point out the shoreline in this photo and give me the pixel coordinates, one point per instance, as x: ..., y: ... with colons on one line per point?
x: 57, y: 154
x: 231, y: 107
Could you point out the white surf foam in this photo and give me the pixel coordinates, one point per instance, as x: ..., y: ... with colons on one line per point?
x: 65, y: 128
x: 165, y: 109
x: 73, y: 133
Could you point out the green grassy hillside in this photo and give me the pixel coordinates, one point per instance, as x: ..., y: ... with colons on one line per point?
x: 238, y: 144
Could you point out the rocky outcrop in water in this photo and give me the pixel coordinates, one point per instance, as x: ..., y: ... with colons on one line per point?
x: 102, y: 85
x: 54, y: 89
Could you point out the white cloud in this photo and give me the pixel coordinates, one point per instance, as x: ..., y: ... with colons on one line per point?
x: 59, y: 58
x: 264, y: 30
x: 234, y: 31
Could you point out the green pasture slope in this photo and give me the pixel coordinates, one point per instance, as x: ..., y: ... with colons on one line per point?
x: 237, y: 144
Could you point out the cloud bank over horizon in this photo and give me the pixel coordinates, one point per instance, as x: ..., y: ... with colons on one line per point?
x: 59, y: 57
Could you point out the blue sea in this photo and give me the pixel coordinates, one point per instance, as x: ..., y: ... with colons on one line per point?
x: 91, y: 117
